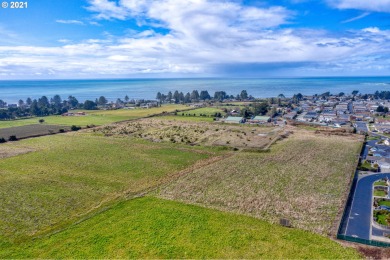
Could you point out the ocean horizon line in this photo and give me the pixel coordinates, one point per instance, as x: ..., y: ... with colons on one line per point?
x: 200, y: 78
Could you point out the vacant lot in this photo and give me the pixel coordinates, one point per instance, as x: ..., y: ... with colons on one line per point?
x: 205, y: 114
x: 154, y: 228
x: 187, y: 118
x: 72, y: 174
x: 95, y: 117
x: 209, y: 134
x: 202, y: 112
x: 31, y: 130
x: 304, y: 179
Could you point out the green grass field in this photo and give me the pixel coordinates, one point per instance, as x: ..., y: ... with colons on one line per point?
x: 94, y: 117
x: 71, y: 174
x: 208, y: 111
x: 155, y: 228
x: 195, y: 115
x: 303, y: 178
x: 187, y: 118
x: 74, y: 195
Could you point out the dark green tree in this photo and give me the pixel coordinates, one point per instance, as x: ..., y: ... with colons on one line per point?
x: 28, y: 101
x: 244, y: 94
x: 204, y: 94
x: 195, y: 95
x: 102, y: 101
x: 89, y: 105
x: 73, y: 102
x: 169, y: 97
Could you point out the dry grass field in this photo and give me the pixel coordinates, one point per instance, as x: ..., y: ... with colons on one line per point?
x: 9, y: 150
x: 209, y: 134
x: 303, y: 178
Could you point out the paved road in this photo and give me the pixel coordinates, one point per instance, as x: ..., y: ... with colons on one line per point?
x: 359, y: 222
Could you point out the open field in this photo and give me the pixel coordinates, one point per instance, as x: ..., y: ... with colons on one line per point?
x: 208, y: 134
x: 63, y: 177
x: 155, y: 228
x: 303, y: 178
x: 205, y: 111
x: 76, y: 187
x: 30, y: 130
x: 187, y: 118
x: 94, y: 117
x: 204, y: 114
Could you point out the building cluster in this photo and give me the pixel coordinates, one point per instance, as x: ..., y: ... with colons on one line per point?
x: 335, y: 111
x: 378, y: 155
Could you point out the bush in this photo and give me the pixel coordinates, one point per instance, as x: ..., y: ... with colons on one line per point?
x: 75, y: 128
x: 12, y: 138
x: 2, y: 140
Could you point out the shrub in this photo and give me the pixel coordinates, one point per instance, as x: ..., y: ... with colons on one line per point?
x: 75, y: 128
x: 12, y: 138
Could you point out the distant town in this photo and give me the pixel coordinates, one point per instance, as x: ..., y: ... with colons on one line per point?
x: 364, y: 112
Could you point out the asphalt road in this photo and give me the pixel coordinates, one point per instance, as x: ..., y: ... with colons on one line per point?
x: 359, y: 221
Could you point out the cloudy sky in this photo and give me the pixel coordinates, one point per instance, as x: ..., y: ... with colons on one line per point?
x: 194, y: 38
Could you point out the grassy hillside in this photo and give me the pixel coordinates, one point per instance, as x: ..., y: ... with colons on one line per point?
x: 303, y: 178
x: 154, y: 228
x: 94, y: 117
x: 56, y: 179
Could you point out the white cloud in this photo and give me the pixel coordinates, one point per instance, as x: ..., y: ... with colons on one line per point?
x: 201, y: 37
x: 107, y: 9
x: 356, y: 17
x: 371, y: 30
x: 70, y: 22
x: 95, y: 23
x: 64, y: 41
x: 372, y: 6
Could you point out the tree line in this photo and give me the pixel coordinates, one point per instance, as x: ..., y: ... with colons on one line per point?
x: 196, y: 96
x: 44, y: 106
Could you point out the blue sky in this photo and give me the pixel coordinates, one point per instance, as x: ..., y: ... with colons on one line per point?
x: 53, y: 39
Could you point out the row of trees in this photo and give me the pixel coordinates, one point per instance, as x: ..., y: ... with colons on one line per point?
x: 44, y: 106
x: 195, y: 96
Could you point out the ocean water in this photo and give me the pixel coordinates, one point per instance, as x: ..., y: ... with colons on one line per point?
x: 12, y: 91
